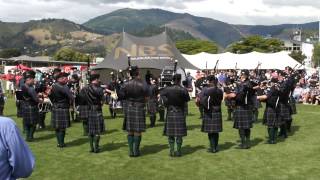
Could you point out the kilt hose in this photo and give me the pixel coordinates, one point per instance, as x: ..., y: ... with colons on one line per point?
x: 292, y: 103
x: 212, y: 121
x: 135, y: 116
x: 96, y: 124
x: 152, y: 106
x: 124, y: 123
x: 1, y: 108
x: 284, y: 112
x: 60, y: 118
x: 175, y: 124
x: 19, y: 108
x: 242, y: 116
x: 83, y: 112
x: 30, y: 114
x: 271, y: 118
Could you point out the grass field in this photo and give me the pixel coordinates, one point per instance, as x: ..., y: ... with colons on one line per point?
x: 298, y: 157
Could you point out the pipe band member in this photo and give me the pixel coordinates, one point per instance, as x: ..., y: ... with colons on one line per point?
x: 175, y: 97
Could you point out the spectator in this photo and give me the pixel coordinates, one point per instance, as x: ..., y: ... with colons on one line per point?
x: 16, y: 159
x: 10, y: 82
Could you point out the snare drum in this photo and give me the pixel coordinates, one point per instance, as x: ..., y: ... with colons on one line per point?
x: 46, y: 106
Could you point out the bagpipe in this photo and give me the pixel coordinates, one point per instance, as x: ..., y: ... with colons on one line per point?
x: 166, y: 76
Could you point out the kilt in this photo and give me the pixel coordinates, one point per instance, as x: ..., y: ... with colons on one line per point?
x: 230, y: 103
x: 152, y: 106
x: 212, y: 121
x: 83, y: 112
x: 30, y: 113
x: 19, y: 108
x: 292, y: 103
x: 242, y: 117
x: 271, y: 118
x: 175, y: 124
x: 95, y: 120
x: 284, y: 114
x: 60, y: 118
x: 135, y: 115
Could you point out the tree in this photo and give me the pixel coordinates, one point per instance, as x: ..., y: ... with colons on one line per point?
x: 298, y: 56
x: 256, y: 43
x: 8, y: 53
x: 316, y: 55
x: 197, y: 46
x: 68, y: 54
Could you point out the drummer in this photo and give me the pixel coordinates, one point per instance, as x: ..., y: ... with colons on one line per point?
x: 112, y: 88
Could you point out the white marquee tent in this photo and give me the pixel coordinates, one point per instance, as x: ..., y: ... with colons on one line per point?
x: 229, y: 60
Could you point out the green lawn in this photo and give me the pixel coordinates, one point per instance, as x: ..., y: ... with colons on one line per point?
x: 298, y: 157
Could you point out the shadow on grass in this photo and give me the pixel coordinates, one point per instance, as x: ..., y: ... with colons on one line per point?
x: 112, y: 146
x: 46, y: 137
x: 153, y: 149
x: 193, y: 127
x: 77, y: 142
x: 255, y: 142
x: 191, y: 149
x: 110, y: 131
x: 159, y: 124
x: 294, y: 129
x: 226, y: 146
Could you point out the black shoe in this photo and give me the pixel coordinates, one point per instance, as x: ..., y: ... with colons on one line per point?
x: 178, y: 154
x: 171, y: 154
x: 215, y: 150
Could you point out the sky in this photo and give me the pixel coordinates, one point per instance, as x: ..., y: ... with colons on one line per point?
x: 251, y: 12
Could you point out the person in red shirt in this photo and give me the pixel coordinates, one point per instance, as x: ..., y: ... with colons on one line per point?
x: 10, y: 82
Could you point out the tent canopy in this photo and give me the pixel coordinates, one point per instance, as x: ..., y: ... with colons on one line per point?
x: 251, y: 60
x: 154, y: 52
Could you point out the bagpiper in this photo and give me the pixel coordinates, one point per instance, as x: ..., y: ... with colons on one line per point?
x: 175, y: 97
x: 135, y: 93
x: 271, y: 114
x: 284, y: 107
x: 211, y: 99
x: 29, y: 104
x: 62, y: 99
x: 153, y: 102
x: 93, y: 95
x: 243, y: 110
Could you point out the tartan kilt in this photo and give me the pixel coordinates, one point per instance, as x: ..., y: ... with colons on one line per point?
x: 212, y: 121
x: 152, y: 106
x: 135, y: 115
x: 242, y: 117
x: 292, y: 103
x: 83, y: 112
x: 175, y: 124
x: 19, y: 109
x: 30, y: 114
x: 60, y: 118
x: 284, y: 114
x: 230, y: 103
x: 95, y: 121
x: 271, y: 118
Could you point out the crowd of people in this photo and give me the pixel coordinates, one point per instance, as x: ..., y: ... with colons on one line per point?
x: 70, y: 99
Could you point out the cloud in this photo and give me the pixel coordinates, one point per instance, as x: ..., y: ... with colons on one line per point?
x: 292, y: 3
x: 231, y: 11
